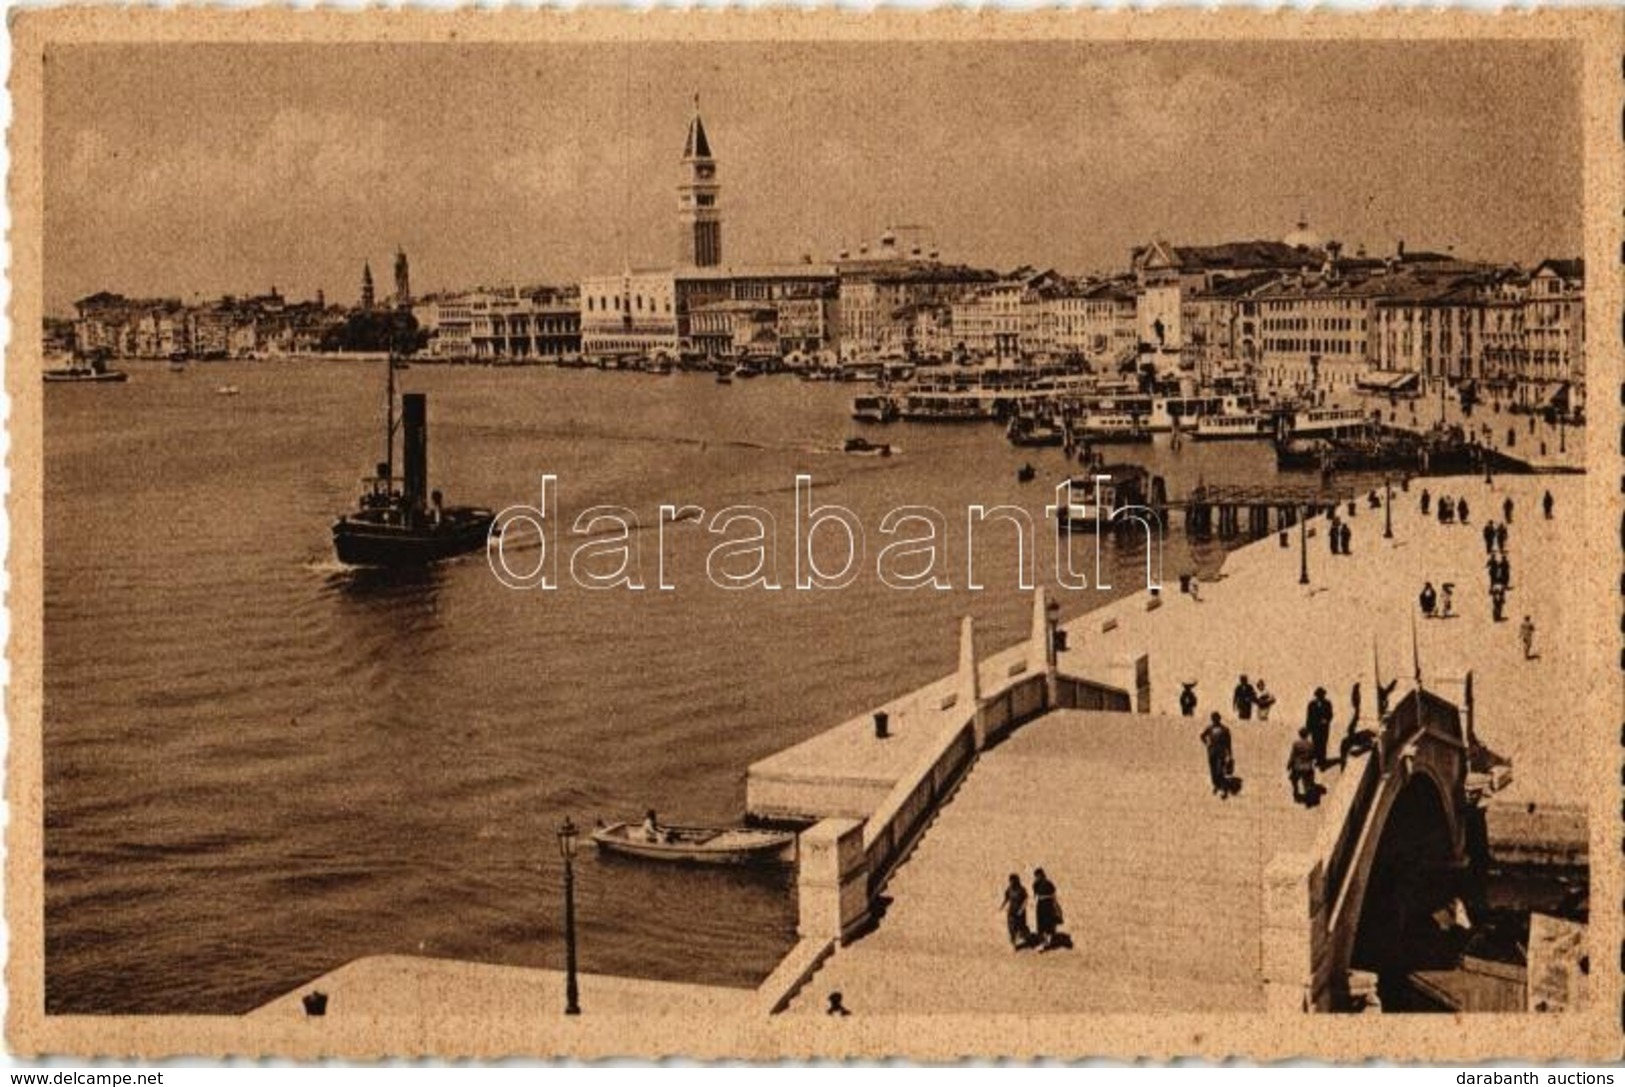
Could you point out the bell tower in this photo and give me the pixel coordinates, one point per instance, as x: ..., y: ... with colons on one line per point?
x: 699, y: 219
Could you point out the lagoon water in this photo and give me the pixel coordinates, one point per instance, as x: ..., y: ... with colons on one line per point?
x: 260, y: 764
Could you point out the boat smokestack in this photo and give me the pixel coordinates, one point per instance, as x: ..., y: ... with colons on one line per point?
x: 415, y: 446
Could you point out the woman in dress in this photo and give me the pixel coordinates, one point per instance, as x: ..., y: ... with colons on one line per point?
x: 1046, y: 909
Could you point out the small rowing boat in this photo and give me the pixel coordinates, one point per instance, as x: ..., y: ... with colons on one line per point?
x: 698, y: 845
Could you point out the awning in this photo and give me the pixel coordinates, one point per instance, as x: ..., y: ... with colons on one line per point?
x: 1386, y: 381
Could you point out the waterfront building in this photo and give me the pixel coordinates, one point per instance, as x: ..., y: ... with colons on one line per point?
x: 1090, y: 321
x: 881, y: 292
x: 1554, y: 334
x: 1431, y: 326
x: 513, y: 325
x: 634, y: 312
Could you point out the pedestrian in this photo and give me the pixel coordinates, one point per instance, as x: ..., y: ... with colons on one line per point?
x: 1546, y: 504
x: 1046, y: 910
x: 1300, y: 768
x: 1318, y: 721
x: 1221, y: 761
x: 1447, y: 512
x: 1243, y: 699
x: 1014, y: 905
x: 1265, y: 700
x: 1448, y: 611
x: 1498, y: 602
x: 1526, y: 635
x: 1345, y: 533
x: 1501, y: 536
x: 1506, y: 510
x: 1428, y: 599
x: 1332, y: 536
x: 1461, y: 510
x: 1427, y: 500
x: 1489, y: 538
x: 1187, y: 700
x: 1506, y: 571
x: 835, y: 1006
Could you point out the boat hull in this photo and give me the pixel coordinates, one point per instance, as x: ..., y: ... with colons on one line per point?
x: 699, y: 845
x: 358, y: 542
x: 105, y: 377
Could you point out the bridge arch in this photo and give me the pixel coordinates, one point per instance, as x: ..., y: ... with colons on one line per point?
x: 1400, y: 855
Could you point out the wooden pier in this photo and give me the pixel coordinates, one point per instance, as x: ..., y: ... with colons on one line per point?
x: 1256, y: 510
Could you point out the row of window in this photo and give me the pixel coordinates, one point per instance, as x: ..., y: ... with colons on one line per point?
x: 1317, y: 324
x: 604, y: 303
x: 1294, y: 346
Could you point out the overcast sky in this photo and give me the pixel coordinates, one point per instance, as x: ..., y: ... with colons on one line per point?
x: 182, y: 169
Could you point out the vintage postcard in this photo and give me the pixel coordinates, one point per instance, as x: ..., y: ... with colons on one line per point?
x: 770, y: 535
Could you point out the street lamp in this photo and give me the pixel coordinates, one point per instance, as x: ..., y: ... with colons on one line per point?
x: 1303, y: 547
x: 1052, y: 612
x: 1387, y: 508
x: 567, y: 850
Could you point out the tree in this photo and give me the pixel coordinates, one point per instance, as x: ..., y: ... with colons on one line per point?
x: 376, y: 330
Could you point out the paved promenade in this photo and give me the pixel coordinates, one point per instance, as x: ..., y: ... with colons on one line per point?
x: 1543, y: 446
x: 1256, y: 619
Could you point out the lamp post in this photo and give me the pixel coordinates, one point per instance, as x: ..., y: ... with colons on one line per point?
x: 1303, y: 547
x: 567, y: 850
x: 1387, y: 508
x: 1052, y: 613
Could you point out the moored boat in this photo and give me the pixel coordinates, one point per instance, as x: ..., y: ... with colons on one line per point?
x: 1247, y: 425
x: 1028, y: 430
x: 1091, y: 501
x: 1113, y: 428
x: 698, y: 845
x: 874, y: 409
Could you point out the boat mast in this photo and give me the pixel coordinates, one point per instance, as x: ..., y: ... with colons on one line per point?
x: 389, y: 432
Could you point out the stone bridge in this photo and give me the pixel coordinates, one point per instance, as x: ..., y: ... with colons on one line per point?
x: 1175, y: 900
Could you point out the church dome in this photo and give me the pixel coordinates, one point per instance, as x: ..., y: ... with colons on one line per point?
x: 1302, y: 237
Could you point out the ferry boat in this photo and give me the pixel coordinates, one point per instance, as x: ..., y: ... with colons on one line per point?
x: 1322, y: 423
x: 1090, y: 501
x: 1028, y: 430
x: 945, y: 407
x: 874, y: 409
x: 1113, y: 429
x: 399, y: 521
x: 1248, y: 425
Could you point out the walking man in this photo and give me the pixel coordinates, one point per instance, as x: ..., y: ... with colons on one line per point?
x: 1461, y: 510
x: 1498, y: 602
x: 1501, y: 536
x: 1221, y: 762
x: 1526, y: 635
x: 1344, y: 534
x: 1506, y: 510
x: 1243, y: 700
x: 1489, y: 537
x: 1014, y: 905
x: 1427, y: 500
x: 1318, y: 724
x: 1546, y: 504
x: 1046, y: 910
x: 1300, y: 768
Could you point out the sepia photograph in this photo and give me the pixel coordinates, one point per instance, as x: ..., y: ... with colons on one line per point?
x: 728, y: 536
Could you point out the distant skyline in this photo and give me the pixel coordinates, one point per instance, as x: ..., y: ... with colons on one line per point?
x: 182, y: 170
